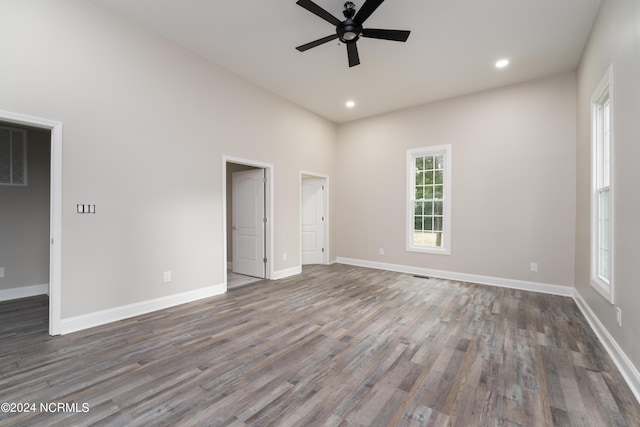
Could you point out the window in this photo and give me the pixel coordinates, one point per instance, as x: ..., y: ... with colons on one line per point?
x: 429, y: 199
x: 602, y: 187
x: 13, y: 156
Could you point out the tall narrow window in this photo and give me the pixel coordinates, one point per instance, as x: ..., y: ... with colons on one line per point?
x: 13, y: 156
x: 429, y: 199
x: 602, y: 187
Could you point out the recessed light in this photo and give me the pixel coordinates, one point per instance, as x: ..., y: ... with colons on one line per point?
x: 350, y: 104
x: 502, y: 63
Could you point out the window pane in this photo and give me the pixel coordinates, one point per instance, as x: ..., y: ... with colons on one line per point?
x: 417, y: 208
x: 428, y: 177
x: 437, y: 192
x: 428, y: 208
x: 419, y: 178
x: 439, y: 162
x: 605, y: 266
x: 603, y: 202
x: 438, y: 177
x: 417, y: 223
x: 437, y: 223
x: 428, y: 192
x: 437, y: 239
x: 419, y: 192
x: 419, y: 163
x: 428, y: 162
x: 428, y: 223
x: 437, y: 208
x: 422, y: 238
x: 606, y: 144
x: 604, y: 235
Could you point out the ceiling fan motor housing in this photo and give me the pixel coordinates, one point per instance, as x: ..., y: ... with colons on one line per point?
x: 349, y: 31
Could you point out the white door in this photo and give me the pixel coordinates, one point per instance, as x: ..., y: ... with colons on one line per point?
x: 248, y: 222
x: 313, y: 220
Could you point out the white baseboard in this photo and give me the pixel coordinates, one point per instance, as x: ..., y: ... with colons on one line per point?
x: 287, y: 272
x: 624, y: 364
x: 544, y: 288
x: 24, y: 292
x: 98, y: 318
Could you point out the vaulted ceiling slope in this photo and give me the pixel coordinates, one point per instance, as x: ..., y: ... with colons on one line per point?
x: 451, y: 51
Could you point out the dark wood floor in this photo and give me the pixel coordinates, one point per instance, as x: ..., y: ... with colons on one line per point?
x: 337, y: 345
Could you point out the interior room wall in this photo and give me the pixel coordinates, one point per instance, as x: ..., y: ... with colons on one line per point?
x: 146, y: 125
x: 24, y: 219
x: 615, y: 39
x: 513, y: 188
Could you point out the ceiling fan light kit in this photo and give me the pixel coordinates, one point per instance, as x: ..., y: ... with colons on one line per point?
x: 350, y: 30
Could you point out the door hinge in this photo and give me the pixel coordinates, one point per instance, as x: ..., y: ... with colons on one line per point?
x: 264, y: 220
x: 323, y: 218
x: 322, y: 250
x: 264, y: 260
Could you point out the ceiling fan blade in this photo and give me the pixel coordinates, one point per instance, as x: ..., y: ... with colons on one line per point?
x: 366, y: 10
x: 318, y: 11
x: 396, y: 35
x: 317, y: 42
x: 352, y: 52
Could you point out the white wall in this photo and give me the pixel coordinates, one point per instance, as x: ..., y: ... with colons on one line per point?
x: 615, y: 39
x: 146, y: 124
x: 513, y: 198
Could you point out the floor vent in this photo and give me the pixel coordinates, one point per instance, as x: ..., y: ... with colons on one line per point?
x: 422, y: 277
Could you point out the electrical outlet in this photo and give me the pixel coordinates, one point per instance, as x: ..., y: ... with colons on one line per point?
x: 167, y: 276
x: 533, y: 267
x: 619, y: 316
x: 1, y: 271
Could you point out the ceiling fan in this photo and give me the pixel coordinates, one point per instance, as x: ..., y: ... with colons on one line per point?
x: 350, y: 30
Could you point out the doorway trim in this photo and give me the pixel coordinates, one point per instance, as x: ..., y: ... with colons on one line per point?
x: 303, y: 173
x: 55, y: 211
x: 268, y: 197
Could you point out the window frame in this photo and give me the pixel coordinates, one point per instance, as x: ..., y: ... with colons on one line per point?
x: 12, y: 161
x: 602, y: 181
x: 412, y: 154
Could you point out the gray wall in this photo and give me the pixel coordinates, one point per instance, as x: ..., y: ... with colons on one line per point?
x: 513, y: 198
x: 24, y: 219
x: 615, y: 39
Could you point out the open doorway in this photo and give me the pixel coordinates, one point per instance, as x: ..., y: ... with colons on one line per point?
x: 314, y: 218
x: 248, y: 225
x: 39, y: 194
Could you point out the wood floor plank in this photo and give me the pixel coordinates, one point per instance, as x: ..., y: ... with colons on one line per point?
x: 334, y: 346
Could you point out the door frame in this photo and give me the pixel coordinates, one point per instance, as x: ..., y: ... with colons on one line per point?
x: 325, y: 227
x: 55, y: 211
x: 268, y: 199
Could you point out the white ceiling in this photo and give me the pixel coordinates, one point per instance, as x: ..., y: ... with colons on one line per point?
x: 451, y: 50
